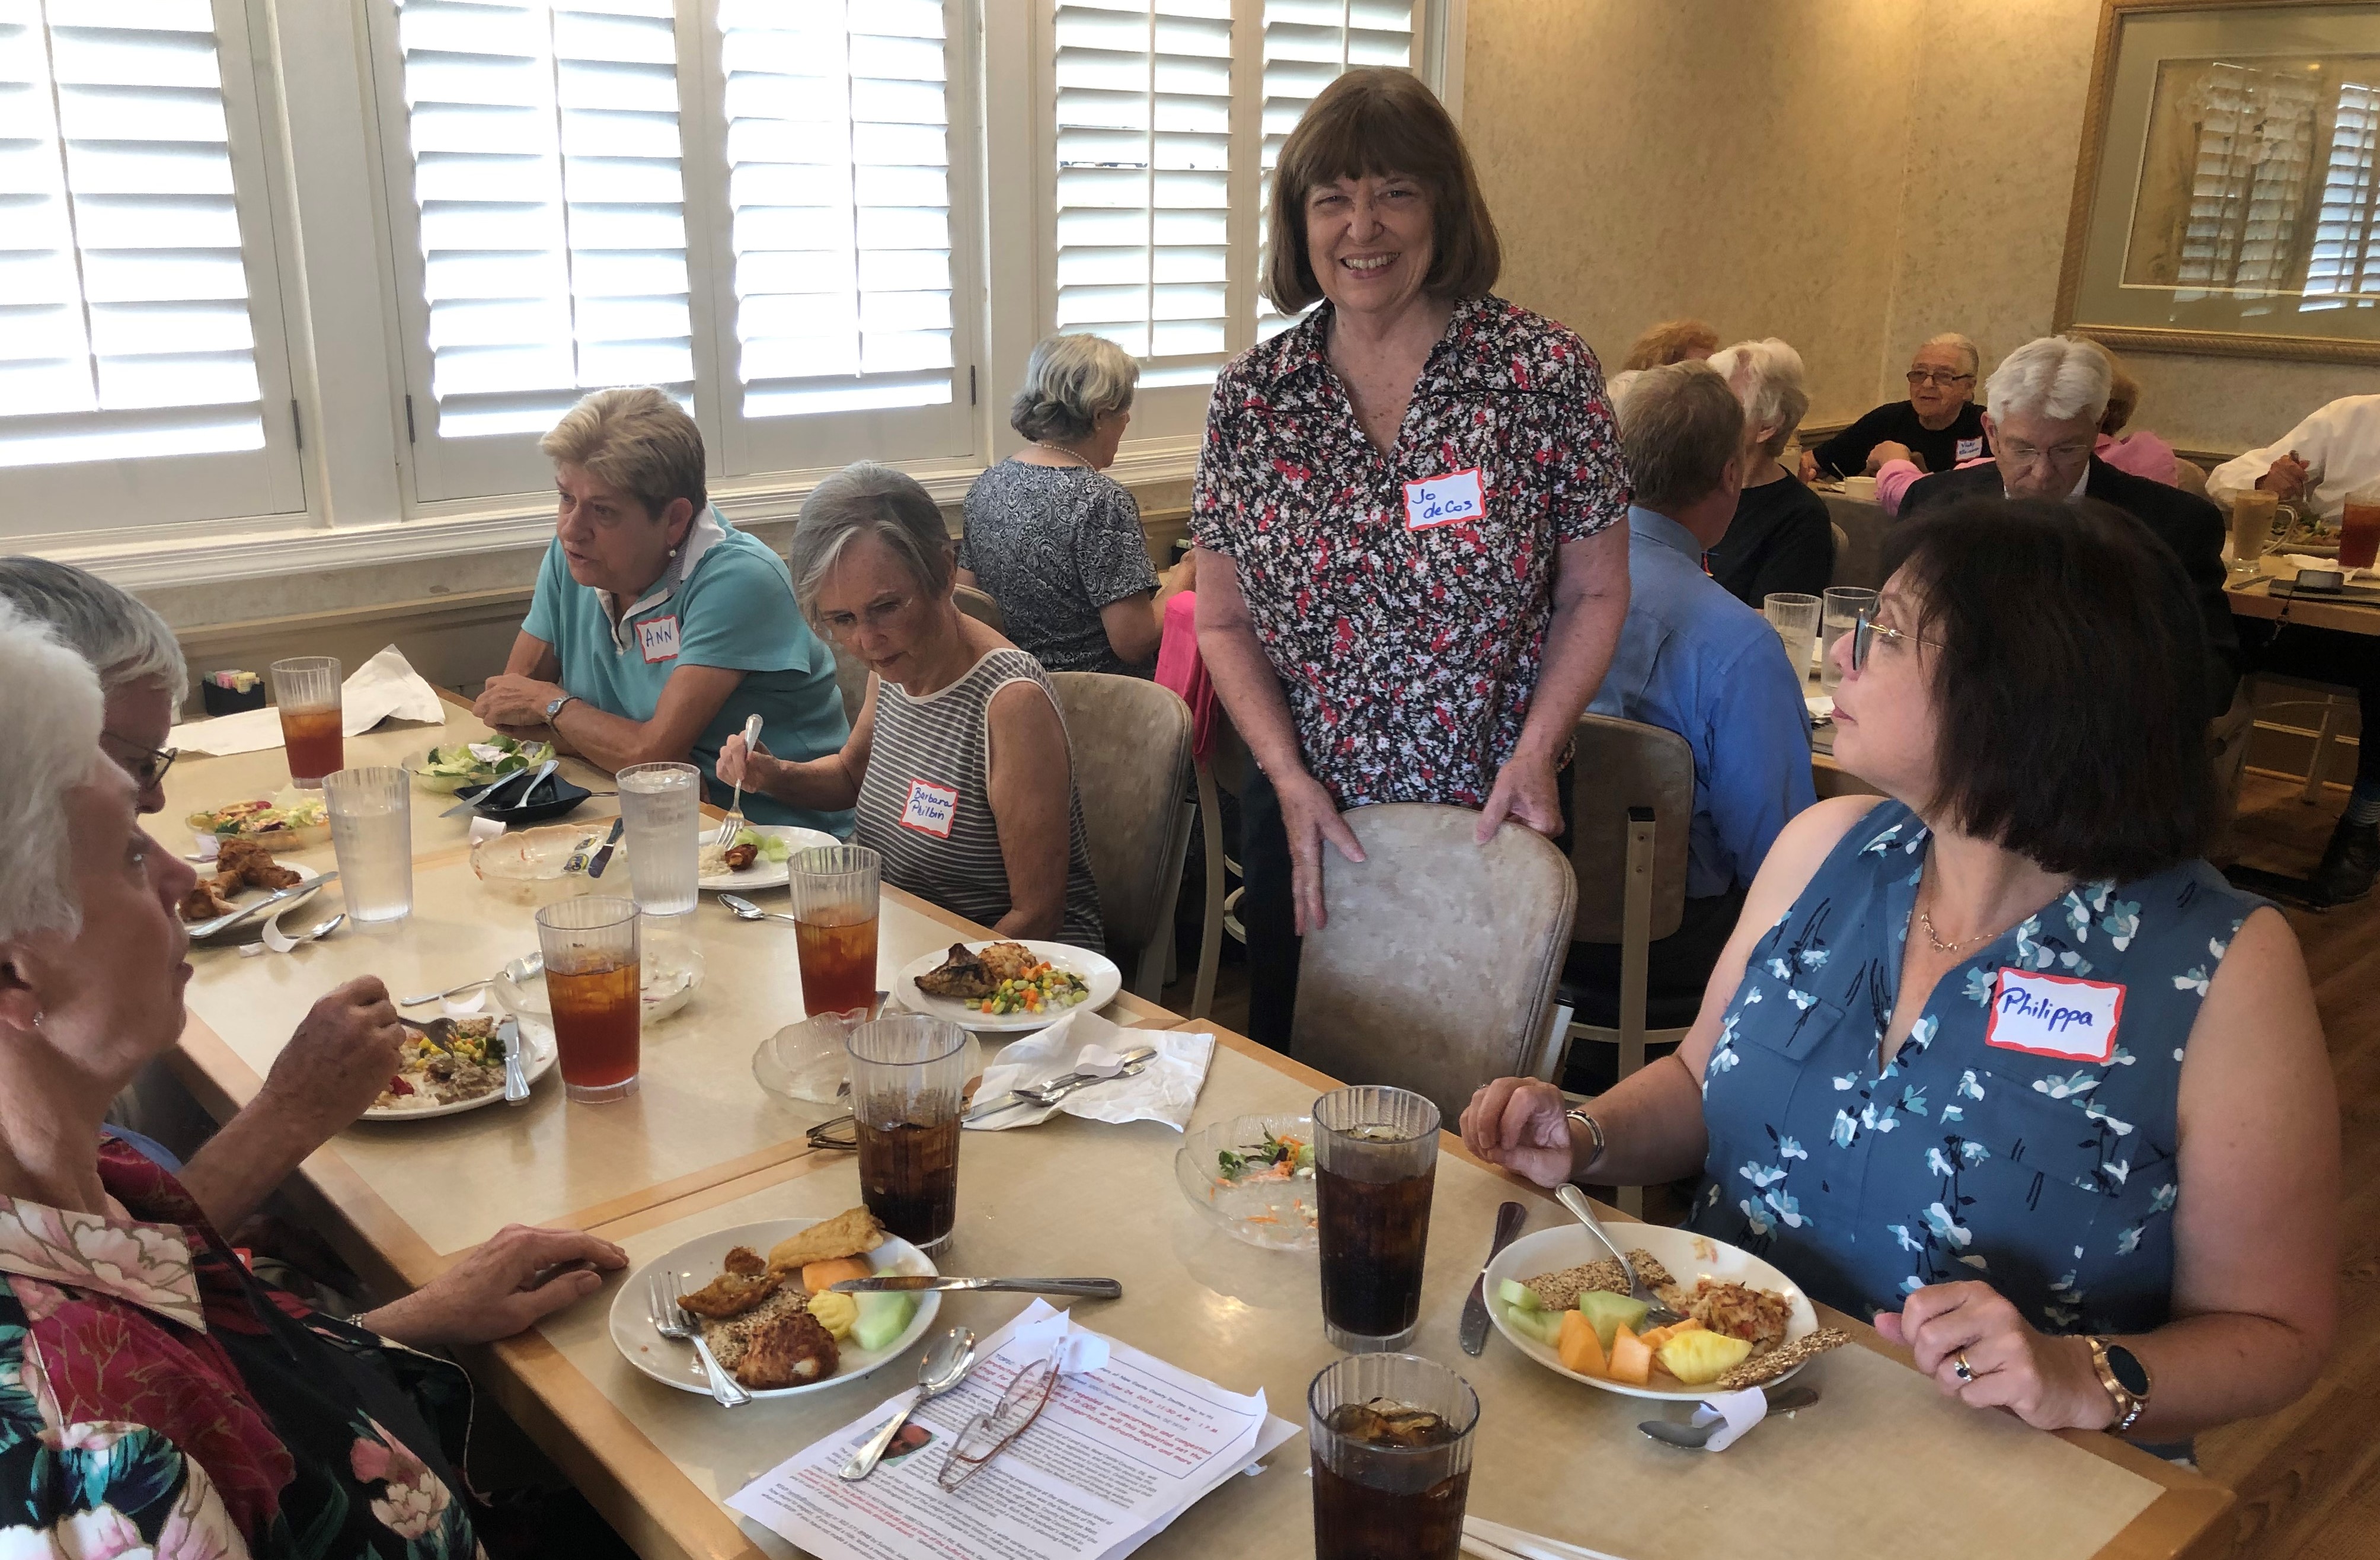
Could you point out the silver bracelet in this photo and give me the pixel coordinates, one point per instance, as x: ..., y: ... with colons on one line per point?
x: 1594, y: 1134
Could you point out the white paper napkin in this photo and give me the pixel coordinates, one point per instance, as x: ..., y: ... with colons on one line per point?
x: 2303, y: 560
x: 1166, y: 1091
x: 385, y: 687
x: 1742, y: 1410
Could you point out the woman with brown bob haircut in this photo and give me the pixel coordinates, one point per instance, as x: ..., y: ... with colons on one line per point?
x: 1410, y: 567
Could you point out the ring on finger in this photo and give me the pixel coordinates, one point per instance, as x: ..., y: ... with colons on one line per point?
x: 1961, y: 1368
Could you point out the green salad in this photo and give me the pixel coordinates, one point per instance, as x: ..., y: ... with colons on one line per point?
x: 475, y: 763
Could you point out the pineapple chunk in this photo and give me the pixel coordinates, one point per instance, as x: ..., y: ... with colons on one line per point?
x: 1701, y: 1357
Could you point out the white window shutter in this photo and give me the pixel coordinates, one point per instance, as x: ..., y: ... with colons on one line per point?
x: 838, y: 157
x: 1306, y: 45
x: 547, y: 176
x: 125, y: 327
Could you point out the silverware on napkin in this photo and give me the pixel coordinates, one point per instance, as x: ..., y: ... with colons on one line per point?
x: 515, y: 1070
x: 1131, y: 1065
x: 1473, y: 1334
x: 922, y: 1284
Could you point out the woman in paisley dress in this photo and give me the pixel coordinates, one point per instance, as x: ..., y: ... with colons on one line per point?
x: 155, y: 1397
x: 1998, y: 1061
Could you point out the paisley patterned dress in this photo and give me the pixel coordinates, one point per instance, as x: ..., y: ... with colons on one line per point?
x: 2049, y: 1176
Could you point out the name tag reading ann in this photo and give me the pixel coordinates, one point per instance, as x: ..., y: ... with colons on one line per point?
x: 929, y: 809
x: 658, y: 638
x: 1443, y: 500
x: 2055, y: 1016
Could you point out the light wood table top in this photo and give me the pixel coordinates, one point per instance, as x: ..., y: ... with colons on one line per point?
x: 2357, y: 612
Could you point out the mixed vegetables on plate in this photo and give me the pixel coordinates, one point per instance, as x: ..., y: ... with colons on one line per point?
x: 1039, y: 990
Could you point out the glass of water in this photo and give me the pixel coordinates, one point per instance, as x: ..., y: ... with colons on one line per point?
x: 1795, y: 618
x: 372, y: 830
x: 1844, y: 603
x: 662, y: 803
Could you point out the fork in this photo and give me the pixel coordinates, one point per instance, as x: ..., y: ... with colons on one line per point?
x: 1658, y: 1314
x: 732, y: 824
x: 670, y: 1319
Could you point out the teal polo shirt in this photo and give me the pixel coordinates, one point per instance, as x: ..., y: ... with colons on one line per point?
x: 726, y: 601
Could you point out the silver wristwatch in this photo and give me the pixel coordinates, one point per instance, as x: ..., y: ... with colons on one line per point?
x: 555, y: 708
x: 1594, y: 1135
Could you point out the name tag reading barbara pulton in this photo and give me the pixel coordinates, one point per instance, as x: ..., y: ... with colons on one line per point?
x: 2055, y: 1016
x: 1444, y: 499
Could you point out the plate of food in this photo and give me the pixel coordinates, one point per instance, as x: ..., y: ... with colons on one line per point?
x: 1253, y: 1177
x: 461, y: 1074
x: 760, y: 1293
x: 1007, y: 987
x: 447, y: 770
x: 291, y: 820
x: 759, y: 857
x: 245, y: 875
x: 1746, y: 1324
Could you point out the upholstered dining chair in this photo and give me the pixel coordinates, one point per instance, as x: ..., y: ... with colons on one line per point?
x: 979, y: 605
x: 1131, y: 744
x: 1435, y: 968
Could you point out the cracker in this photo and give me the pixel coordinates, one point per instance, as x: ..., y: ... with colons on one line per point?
x: 1559, y: 1291
x: 1773, y: 1363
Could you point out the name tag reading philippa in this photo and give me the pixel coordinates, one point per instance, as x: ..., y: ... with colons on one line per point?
x: 1443, y: 500
x: 929, y: 809
x: 2055, y: 1016
x: 657, y: 637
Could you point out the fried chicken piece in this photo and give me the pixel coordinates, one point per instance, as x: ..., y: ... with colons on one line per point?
x: 203, y: 903
x: 744, y: 1262
x: 848, y: 1234
x: 961, y: 975
x: 1008, y: 961
x: 731, y: 1294
x: 735, y: 857
x: 244, y: 862
x: 788, y: 1351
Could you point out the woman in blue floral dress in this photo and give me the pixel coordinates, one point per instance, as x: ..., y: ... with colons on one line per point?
x: 1998, y: 1061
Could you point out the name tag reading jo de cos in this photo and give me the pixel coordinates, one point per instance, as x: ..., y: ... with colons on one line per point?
x: 1439, y: 501
x: 2055, y: 1016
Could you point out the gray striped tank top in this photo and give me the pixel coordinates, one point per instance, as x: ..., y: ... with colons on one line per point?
x: 926, y: 804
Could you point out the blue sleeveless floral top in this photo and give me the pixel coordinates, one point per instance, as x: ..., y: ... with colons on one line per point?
x: 2045, y: 1171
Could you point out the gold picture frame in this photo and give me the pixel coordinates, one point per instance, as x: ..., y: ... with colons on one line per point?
x: 2226, y: 200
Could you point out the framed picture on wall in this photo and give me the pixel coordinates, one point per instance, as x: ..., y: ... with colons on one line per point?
x: 2228, y: 196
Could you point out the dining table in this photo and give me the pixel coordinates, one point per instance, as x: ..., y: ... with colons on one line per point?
x: 2268, y: 591
x: 1884, y: 1463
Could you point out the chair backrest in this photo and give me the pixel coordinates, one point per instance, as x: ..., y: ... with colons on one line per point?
x: 2190, y: 476
x: 979, y: 605
x: 851, y: 677
x: 1435, y: 968
x: 1859, y: 542
x: 1619, y: 764
x: 1131, y: 742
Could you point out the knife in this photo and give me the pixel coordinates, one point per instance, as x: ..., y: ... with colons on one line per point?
x: 610, y: 841
x: 908, y: 1283
x: 1473, y: 1334
x: 487, y: 793
x: 209, y: 928
x: 515, y: 1070
x: 1131, y: 1064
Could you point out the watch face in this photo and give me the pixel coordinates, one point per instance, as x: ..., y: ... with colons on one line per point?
x: 2128, y: 1369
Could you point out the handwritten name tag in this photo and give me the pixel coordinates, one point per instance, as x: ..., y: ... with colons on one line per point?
x: 2055, y: 1016
x: 929, y: 809
x: 1443, y: 500
x: 658, y: 638
x: 1969, y: 449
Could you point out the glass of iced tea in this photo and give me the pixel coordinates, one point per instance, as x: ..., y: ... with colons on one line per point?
x: 2359, y: 528
x: 834, y: 892
x: 306, y: 690
x: 907, y: 1075
x: 1390, y: 1435
x: 593, y: 979
x: 1375, y: 1166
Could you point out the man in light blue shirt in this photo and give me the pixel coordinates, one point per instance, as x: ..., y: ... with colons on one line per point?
x: 1693, y: 660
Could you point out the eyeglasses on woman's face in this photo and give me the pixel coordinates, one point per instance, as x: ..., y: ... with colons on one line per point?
x: 147, y: 765
x: 1866, y: 630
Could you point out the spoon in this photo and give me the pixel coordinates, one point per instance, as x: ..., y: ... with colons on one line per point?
x: 1695, y: 1437
x: 318, y: 933
x: 1583, y: 1211
x: 744, y: 910
x: 945, y: 1365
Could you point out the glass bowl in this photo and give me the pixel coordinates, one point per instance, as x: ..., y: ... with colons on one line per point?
x: 1261, y: 1205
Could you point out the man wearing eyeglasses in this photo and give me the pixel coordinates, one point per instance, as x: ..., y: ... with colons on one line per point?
x: 1937, y: 427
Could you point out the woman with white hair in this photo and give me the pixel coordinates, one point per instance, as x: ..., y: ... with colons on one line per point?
x: 160, y: 1399
x: 1058, y: 544
x: 1781, y: 538
x: 1938, y: 426
x: 958, y: 764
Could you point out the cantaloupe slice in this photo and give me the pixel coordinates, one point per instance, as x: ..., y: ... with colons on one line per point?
x: 1631, y: 1360
x: 817, y: 1278
x: 1660, y: 1335
x: 1581, y: 1350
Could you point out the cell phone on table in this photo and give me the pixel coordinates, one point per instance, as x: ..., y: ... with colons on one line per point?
x: 2320, y: 582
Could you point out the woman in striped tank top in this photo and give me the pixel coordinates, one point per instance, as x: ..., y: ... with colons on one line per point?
x: 958, y: 763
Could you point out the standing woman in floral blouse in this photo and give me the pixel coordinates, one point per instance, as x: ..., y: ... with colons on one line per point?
x: 1411, y: 565
x: 1999, y: 1061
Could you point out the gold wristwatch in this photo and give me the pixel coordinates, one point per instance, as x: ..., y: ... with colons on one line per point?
x: 2125, y: 1380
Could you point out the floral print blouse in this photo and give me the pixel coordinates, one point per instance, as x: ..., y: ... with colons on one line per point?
x: 1408, y: 646
x: 2050, y: 1177
x: 155, y: 1400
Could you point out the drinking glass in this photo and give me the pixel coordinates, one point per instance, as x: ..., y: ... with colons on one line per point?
x: 2252, y: 527
x: 907, y: 1074
x: 662, y: 804
x: 306, y: 689
x: 2359, y: 528
x: 1795, y: 618
x: 593, y: 979
x: 1843, y: 605
x: 1375, y: 1166
x: 835, y: 890
x: 372, y: 830
x: 1390, y: 1437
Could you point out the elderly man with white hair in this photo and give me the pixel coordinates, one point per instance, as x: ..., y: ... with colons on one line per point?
x: 1939, y: 426
x: 2046, y: 399
x: 1781, y: 538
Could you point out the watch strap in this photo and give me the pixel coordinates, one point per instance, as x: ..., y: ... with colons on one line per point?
x: 2130, y: 1405
x: 554, y: 710
x: 1594, y: 1136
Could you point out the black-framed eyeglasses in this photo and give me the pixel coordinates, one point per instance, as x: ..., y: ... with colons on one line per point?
x: 147, y: 765
x: 1936, y: 376
x: 987, y: 1435
x: 1866, y: 630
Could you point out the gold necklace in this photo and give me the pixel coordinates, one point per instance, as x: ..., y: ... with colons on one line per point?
x: 1926, y: 921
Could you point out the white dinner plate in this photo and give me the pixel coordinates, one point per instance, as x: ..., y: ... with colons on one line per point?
x: 537, y: 1056
x: 253, y: 927
x: 1097, y: 971
x: 763, y: 872
x: 1688, y: 1257
x: 697, y: 1262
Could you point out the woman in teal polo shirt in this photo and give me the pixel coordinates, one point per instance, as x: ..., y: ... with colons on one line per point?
x: 658, y: 628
